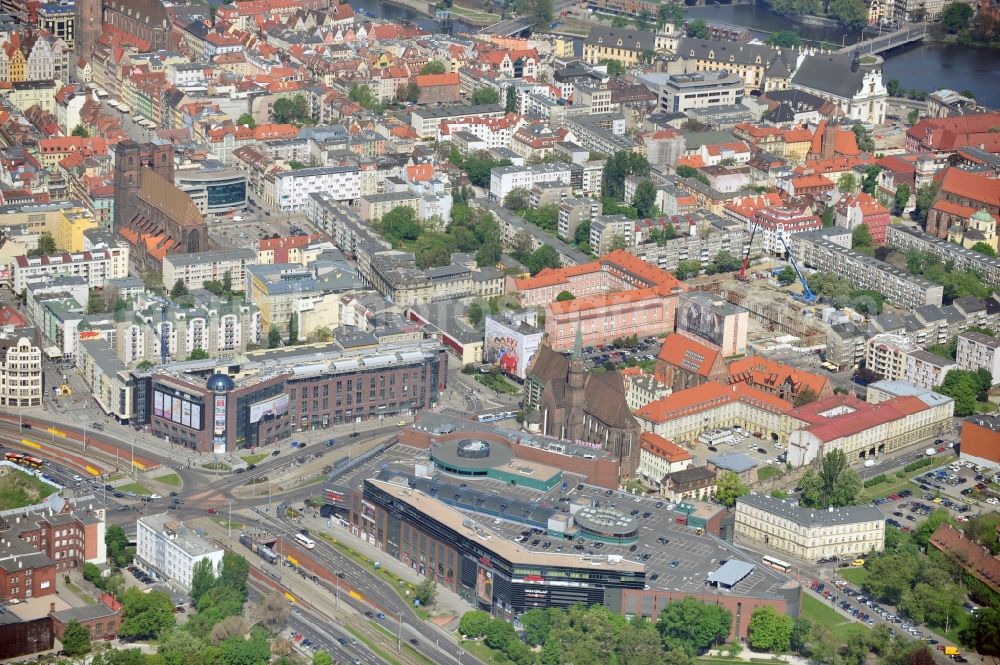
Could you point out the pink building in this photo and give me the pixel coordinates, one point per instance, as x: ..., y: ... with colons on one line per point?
x: 857, y: 209
x: 775, y: 224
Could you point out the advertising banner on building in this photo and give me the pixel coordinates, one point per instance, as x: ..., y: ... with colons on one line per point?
x: 219, y: 428
x: 701, y: 320
x: 273, y: 407
x: 508, y: 348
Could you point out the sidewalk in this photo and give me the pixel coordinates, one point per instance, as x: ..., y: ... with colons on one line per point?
x: 748, y: 655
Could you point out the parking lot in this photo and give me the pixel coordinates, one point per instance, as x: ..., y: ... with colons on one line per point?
x: 601, y: 354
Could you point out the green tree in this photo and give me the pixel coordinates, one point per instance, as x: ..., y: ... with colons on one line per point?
x: 955, y: 16
x: 178, y: 289
x: 847, y: 182
x: 644, y: 200
x: 474, y: 623
x: 693, y: 626
x: 787, y: 276
x: 293, y: 110
x: 543, y: 257
x: 861, y: 237
x: 485, y: 96
x: 46, y: 245
x: 272, y: 611
x: 784, y: 38
x: 434, y: 67
x: 198, y: 354
x: 95, y: 302
x: 145, y: 615
x: 725, y: 261
x: 901, y: 199
x: 478, y: 166
x: 322, y: 658
x: 233, y: 573
x: 116, y: 544
x: 687, y: 268
x: 851, y: 13
x: 770, y: 631
x: 827, y: 217
x: 729, y: 487
x: 540, y: 11
x: 869, y: 183
x: 431, y: 251
x: 400, y: 224
x: 360, y: 93
x: 202, y: 579
x: 619, y: 166
x: 293, y: 329
x: 913, y: 117
x: 964, y: 387
x: 510, y: 100
x: 247, y: 120
x: 564, y: 296
x: 615, y: 68
x: 81, y: 131
x: 985, y: 249
x: 581, y: 236
x: 982, y: 631
x: 836, y: 484
x: 426, y: 592
x: 799, y: 639
x: 253, y: 651
x: 273, y: 337
x: 698, y: 29
x: 408, y: 92
x: 517, y: 199
x: 536, y: 624
x: 75, y: 639
x: 892, y: 87
x: 865, y: 141
x: 499, y: 634
x: 91, y: 573
x: 804, y: 396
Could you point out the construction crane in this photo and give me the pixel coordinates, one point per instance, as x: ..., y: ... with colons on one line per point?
x: 807, y: 295
x: 746, y: 259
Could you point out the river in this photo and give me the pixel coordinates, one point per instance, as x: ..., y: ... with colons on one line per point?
x: 917, y: 66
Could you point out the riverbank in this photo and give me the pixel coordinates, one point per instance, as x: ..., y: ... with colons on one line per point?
x: 474, y: 16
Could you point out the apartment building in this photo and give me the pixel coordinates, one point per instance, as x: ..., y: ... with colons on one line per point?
x: 886, y: 355
x: 504, y: 179
x: 609, y: 232
x: 777, y: 225
x: 97, y: 267
x: 426, y: 121
x: 292, y: 188
x: 659, y: 457
x: 169, y: 550
x: 576, y: 211
x: 21, y: 375
x: 963, y: 258
x: 979, y: 351
x: 926, y: 369
x: 807, y: 533
x: 373, y: 207
x: 199, y: 267
x: 681, y: 92
x: 899, y: 287
x: 845, y: 345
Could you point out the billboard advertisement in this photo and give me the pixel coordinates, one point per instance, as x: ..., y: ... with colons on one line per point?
x: 177, y: 409
x: 702, y: 320
x: 484, y: 585
x: 220, y: 416
x: 508, y: 348
x: 273, y: 407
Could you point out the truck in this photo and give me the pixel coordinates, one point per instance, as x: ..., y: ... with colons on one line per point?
x: 262, y: 546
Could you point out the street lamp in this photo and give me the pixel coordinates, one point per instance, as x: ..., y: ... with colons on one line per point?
x: 229, y: 522
x: 399, y: 634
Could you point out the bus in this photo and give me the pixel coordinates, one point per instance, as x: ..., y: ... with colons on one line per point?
x: 24, y: 460
x: 305, y: 541
x: 777, y: 564
x: 493, y: 417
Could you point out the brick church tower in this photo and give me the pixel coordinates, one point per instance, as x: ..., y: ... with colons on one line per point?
x: 130, y: 159
x: 88, y: 24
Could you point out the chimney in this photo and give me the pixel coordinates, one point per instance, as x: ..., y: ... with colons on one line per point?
x: 52, y: 608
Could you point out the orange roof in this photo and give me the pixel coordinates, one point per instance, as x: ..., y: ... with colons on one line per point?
x: 851, y: 415
x: 419, y: 172
x: 694, y: 161
x: 972, y: 186
x: 808, y: 181
x: 605, y: 300
x: 432, y: 80
x: 770, y: 374
x: 686, y: 353
x: 709, y: 395
x: 291, y: 242
x: 657, y: 445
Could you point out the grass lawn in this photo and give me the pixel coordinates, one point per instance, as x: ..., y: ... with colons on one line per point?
x: 253, y: 459
x: 83, y: 595
x: 498, y: 383
x: 479, y: 650
x: 474, y: 15
x: 171, y: 479
x: 768, y: 472
x: 217, y: 466
x: 819, y: 612
x: 855, y: 576
x: 134, y: 488
x: 892, y: 486
x: 19, y: 489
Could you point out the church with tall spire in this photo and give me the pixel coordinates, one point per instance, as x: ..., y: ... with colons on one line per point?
x: 576, y: 405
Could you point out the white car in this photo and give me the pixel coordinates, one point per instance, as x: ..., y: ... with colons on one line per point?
x: 993, y: 501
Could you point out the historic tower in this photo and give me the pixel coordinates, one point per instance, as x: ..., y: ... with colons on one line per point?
x: 87, y: 28
x: 130, y: 159
x: 576, y: 388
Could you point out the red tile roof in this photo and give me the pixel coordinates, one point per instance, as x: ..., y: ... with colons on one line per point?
x: 973, y: 557
x: 657, y: 445
x: 691, y: 356
x: 709, y: 395
x: 770, y: 374
x: 972, y: 186
x: 852, y: 416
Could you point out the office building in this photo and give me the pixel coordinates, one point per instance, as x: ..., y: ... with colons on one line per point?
x: 680, y: 93
x: 808, y: 533
x: 214, y: 188
x: 169, y: 550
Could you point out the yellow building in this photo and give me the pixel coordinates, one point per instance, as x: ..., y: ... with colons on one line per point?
x: 18, y: 66
x: 70, y: 227
x: 981, y: 229
x: 628, y: 46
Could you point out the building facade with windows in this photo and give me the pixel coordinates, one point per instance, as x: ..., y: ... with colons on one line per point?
x: 169, y: 550
x: 808, y: 533
x: 21, y: 375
